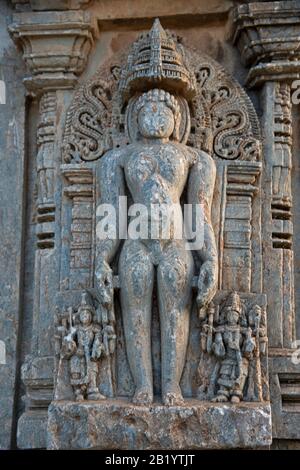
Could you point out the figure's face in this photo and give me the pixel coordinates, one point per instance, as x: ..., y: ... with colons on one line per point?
x: 232, y: 316
x: 253, y: 314
x: 156, y: 120
x: 85, y: 317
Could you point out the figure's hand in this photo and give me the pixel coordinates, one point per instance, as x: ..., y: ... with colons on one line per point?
x: 208, y: 329
x: 207, y: 283
x: 68, y: 348
x: 80, y: 352
x: 104, y: 276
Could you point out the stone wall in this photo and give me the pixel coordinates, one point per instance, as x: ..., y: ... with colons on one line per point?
x: 13, y: 209
x: 43, y: 74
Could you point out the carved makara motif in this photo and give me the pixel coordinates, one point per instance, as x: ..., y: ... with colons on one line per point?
x: 87, y: 124
x: 228, y: 120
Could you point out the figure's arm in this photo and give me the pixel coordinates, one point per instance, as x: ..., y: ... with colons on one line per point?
x: 110, y: 180
x: 69, y: 345
x: 218, y: 347
x: 97, y: 348
x: 200, y: 191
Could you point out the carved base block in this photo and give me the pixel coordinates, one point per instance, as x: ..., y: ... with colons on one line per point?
x: 32, y: 430
x: 118, y: 424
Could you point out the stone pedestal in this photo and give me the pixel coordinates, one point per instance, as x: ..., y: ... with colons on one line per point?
x: 118, y: 424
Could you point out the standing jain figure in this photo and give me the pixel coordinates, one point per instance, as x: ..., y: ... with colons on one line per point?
x: 156, y: 169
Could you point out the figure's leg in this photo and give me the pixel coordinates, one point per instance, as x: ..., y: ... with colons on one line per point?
x: 136, y: 280
x: 224, y: 382
x: 92, y: 389
x: 222, y: 394
x: 238, y: 386
x: 174, y: 282
x: 78, y: 393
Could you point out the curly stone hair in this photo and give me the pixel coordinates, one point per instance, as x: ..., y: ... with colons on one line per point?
x: 163, y: 96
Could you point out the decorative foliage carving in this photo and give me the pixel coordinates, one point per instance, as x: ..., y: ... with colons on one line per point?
x: 227, y: 126
x: 88, y: 122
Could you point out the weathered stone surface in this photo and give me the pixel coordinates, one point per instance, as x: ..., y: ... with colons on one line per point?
x: 108, y: 11
x: 41, y: 5
x: 267, y: 35
x: 268, y: 30
x: 56, y: 46
x: 121, y: 425
x: 12, y: 177
x: 49, y: 250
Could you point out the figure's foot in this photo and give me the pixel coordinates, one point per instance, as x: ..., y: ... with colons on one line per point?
x: 235, y: 399
x: 95, y: 396
x: 173, y: 397
x: 142, y: 396
x: 220, y: 399
x: 202, y: 392
x: 79, y: 397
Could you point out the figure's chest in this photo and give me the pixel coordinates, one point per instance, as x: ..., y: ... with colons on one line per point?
x: 165, y: 161
x: 85, y: 337
x: 232, y: 336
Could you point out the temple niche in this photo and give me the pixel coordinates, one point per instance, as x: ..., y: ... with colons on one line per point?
x: 142, y: 341
x: 156, y: 129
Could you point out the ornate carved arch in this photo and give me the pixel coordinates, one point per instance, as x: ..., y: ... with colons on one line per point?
x: 223, y: 120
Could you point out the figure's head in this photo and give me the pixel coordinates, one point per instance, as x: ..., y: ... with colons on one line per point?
x: 233, y: 309
x: 254, y: 315
x: 158, y: 115
x: 85, y: 316
x: 233, y: 316
x: 85, y: 311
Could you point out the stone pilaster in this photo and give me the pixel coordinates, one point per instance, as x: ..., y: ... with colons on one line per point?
x: 46, y: 171
x: 55, y: 49
x: 267, y: 36
x: 76, y: 273
x: 238, y: 253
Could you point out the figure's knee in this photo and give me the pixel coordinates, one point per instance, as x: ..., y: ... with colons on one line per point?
x: 136, y: 271
x: 177, y: 317
x: 175, y: 276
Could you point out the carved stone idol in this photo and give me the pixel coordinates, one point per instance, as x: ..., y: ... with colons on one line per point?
x: 83, y: 339
x: 237, y: 339
x: 150, y: 283
x: 161, y: 162
x: 156, y: 167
